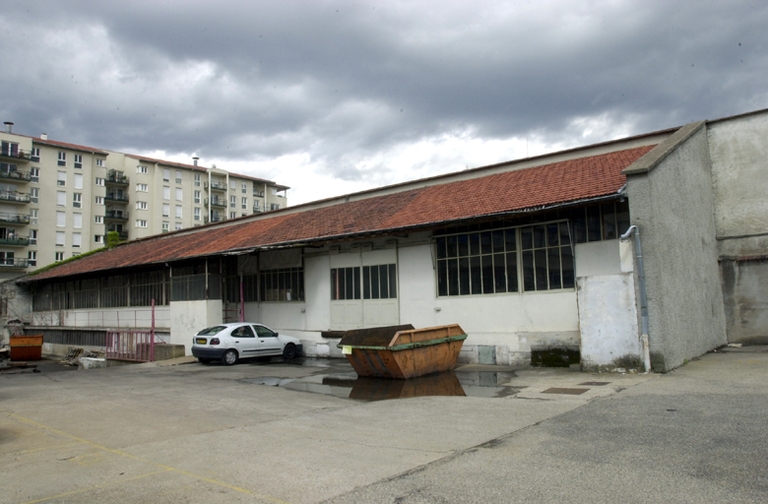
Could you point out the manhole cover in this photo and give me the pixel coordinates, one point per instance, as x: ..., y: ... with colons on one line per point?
x: 568, y: 391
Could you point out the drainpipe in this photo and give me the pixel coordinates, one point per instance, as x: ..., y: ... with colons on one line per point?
x: 643, y: 296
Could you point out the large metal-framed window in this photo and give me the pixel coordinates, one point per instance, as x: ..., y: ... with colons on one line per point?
x: 380, y: 281
x: 282, y: 284
x: 477, y: 263
x: 547, y: 257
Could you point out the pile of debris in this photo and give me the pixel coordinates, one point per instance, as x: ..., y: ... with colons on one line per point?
x: 74, y: 354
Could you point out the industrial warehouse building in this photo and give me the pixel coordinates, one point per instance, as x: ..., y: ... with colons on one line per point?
x: 526, y: 256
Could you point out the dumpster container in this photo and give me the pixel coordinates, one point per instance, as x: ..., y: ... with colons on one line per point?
x: 26, y: 347
x: 402, y: 352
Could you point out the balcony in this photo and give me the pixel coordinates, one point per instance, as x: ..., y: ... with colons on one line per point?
x: 13, y: 174
x: 217, y: 186
x: 257, y: 209
x: 122, y: 234
x: 118, y: 215
x: 117, y: 179
x: 14, y: 155
x: 20, y: 220
x: 215, y: 202
x: 14, y: 241
x: 258, y: 194
x: 215, y: 218
x: 14, y: 197
x: 12, y: 263
x: 119, y: 198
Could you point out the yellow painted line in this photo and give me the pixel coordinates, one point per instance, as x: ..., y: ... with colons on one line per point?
x: 133, y: 457
x: 94, y: 487
x: 45, y: 448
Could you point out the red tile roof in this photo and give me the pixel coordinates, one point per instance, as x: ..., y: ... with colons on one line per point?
x: 495, y: 194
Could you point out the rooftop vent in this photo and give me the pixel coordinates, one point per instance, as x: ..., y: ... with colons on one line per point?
x: 194, y: 160
x: 8, y: 126
x: 44, y: 136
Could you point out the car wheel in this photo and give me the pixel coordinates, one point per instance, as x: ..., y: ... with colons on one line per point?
x: 229, y: 357
x: 203, y: 360
x: 289, y: 352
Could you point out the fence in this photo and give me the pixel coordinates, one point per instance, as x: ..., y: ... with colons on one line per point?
x: 136, y: 346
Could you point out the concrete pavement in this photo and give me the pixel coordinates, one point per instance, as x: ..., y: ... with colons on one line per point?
x: 194, y: 433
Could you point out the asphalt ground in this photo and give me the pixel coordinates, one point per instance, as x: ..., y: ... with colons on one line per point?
x: 184, y: 432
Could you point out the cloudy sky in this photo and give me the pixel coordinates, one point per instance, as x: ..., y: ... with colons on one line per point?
x: 331, y: 97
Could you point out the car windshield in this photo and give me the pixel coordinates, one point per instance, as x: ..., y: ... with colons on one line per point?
x: 211, y: 330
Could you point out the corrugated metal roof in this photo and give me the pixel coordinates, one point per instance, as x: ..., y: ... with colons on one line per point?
x: 498, y: 193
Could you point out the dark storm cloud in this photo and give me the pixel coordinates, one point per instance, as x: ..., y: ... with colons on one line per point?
x: 341, y: 81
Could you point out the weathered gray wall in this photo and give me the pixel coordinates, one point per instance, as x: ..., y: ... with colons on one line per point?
x: 672, y: 203
x: 739, y: 153
x: 745, y: 291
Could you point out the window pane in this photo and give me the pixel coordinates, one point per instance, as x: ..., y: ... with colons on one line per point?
x: 498, y: 241
x: 463, y: 245
x: 540, y: 259
x: 487, y: 274
x: 440, y: 247
x: 366, y: 282
x: 622, y: 216
x: 568, y: 276
x: 453, y: 277
x: 511, y: 272
x: 356, y: 276
x: 554, y: 268
x: 474, y: 244
x: 593, y: 223
x: 451, y: 246
x: 442, y: 278
x: 374, y: 282
x: 476, y: 278
x: 526, y: 236
x: 580, y: 226
x: 510, y: 240
x: 553, y: 234
x: 538, y: 236
x: 392, y: 281
x: 609, y: 221
x: 499, y: 273
x: 464, y: 276
x: 384, y: 281
x: 528, y: 283
x: 485, y: 243
x: 565, y: 235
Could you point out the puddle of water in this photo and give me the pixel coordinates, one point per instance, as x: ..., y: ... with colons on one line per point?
x: 350, y: 386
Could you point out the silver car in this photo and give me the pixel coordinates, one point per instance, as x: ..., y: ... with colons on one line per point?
x: 242, y: 340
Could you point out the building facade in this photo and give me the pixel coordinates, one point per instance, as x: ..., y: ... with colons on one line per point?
x: 539, y: 258
x: 59, y: 200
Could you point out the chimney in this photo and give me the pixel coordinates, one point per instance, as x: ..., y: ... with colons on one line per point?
x: 44, y: 136
x: 8, y: 126
x: 194, y: 160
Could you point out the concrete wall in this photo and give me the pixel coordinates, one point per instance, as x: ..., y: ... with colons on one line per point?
x: 739, y: 153
x: 189, y: 317
x: 672, y: 202
x: 18, y: 308
x: 607, y: 306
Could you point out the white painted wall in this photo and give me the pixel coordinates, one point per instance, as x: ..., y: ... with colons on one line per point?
x: 608, y: 314
x: 190, y: 317
x: 112, y: 318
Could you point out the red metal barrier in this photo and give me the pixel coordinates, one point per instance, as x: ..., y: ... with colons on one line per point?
x: 128, y: 345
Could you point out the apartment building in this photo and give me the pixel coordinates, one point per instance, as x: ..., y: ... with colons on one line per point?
x: 59, y: 200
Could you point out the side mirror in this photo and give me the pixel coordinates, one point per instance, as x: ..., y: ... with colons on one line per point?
x: 277, y: 334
